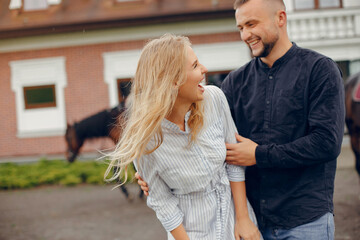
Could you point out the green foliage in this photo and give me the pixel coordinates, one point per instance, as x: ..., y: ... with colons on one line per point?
x: 53, y: 172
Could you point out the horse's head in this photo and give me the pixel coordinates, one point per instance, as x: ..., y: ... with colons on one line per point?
x: 73, y: 145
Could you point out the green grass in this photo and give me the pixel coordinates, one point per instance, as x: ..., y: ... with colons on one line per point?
x: 54, y: 172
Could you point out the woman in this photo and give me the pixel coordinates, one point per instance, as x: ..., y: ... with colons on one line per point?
x: 176, y: 131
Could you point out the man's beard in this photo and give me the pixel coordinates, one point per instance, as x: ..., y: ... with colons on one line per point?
x: 265, y: 51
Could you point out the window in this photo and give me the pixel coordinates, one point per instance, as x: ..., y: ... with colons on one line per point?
x: 40, y: 100
x: 119, y: 67
x: 34, y: 5
x: 354, y: 66
x: 349, y: 68
x: 316, y: 4
x: 124, y: 87
x: 345, y: 68
x: 329, y: 3
x: 304, y: 4
x: 39, y: 97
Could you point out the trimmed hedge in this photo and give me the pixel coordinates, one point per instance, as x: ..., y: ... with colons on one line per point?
x: 53, y: 172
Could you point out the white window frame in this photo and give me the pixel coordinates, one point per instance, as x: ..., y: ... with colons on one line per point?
x: 39, y: 122
x: 316, y: 5
x: 119, y: 65
x: 17, y: 4
x: 30, y: 5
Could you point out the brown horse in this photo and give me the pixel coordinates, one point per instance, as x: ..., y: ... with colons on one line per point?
x: 352, y: 118
x: 103, y: 124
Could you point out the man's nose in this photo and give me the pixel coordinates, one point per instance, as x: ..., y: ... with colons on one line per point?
x: 245, y: 35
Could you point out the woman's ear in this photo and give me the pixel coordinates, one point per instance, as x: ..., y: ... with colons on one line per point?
x: 176, y: 85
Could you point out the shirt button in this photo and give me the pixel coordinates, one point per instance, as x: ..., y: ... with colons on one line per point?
x: 270, y: 77
x: 263, y: 201
x: 267, y: 102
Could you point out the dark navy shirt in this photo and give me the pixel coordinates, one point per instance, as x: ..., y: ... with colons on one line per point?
x: 295, y: 112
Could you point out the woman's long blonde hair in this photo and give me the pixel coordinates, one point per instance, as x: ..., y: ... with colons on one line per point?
x: 160, y: 72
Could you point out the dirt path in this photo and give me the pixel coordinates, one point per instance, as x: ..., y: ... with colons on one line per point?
x: 347, y: 204
x: 79, y: 213
x: 97, y: 213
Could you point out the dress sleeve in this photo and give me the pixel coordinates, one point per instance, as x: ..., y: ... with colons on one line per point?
x: 160, y: 198
x: 235, y: 173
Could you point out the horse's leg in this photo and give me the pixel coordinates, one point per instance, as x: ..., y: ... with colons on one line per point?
x: 356, y: 150
x: 72, y: 142
x: 128, y: 195
x: 123, y: 188
x: 355, y: 145
x: 357, y: 164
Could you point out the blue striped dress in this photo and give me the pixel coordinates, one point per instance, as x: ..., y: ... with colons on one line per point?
x: 190, y: 184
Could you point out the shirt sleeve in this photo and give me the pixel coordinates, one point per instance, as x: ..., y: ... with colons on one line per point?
x: 235, y: 173
x: 326, y: 116
x: 160, y: 198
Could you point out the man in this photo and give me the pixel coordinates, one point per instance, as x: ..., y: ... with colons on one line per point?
x: 290, y: 102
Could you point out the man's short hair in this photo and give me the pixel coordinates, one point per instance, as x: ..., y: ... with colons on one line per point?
x: 238, y: 3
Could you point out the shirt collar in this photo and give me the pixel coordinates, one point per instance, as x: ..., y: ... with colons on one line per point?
x: 284, y: 58
x: 168, y: 125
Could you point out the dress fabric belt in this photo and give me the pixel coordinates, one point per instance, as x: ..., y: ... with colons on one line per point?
x: 221, y: 186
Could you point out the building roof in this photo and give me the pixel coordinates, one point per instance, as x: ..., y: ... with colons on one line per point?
x: 81, y: 15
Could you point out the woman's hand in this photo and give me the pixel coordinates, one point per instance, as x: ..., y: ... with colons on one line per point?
x: 142, y: 184
x: 246, y: 229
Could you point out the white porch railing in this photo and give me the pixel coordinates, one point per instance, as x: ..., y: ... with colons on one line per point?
x: 324, y: 24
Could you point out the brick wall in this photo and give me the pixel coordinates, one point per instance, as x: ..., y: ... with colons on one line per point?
x: 86, y: 92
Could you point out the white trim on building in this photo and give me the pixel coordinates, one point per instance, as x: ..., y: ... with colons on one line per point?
x: 116, y: 35
x: 39, y: 122
x: 119, y: 65
x: 16, y: 4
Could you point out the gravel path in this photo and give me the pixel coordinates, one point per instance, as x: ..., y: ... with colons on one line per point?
x: 96, y: 213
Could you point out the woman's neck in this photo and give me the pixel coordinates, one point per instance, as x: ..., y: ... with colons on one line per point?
x: 178, y: 113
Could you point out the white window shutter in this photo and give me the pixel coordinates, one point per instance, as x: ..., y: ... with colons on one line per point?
x: 53, y: 2
x: 15, y: 4
x: 30, y: 5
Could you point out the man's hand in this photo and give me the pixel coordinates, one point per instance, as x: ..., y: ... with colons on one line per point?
x: 241, y: 153
x: 142, y: 184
